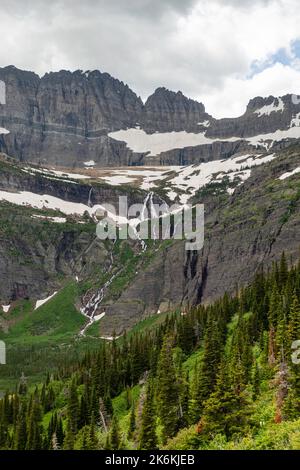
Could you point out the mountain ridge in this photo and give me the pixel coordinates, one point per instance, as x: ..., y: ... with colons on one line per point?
x: 69, y: 118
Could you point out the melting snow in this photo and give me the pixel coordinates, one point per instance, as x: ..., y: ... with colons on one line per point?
x: 89, y: 163
x: 141, y: 142
x: 289, y: 173
x: 110, y: 338
x: 118, y: 179
x: 295, y: 122
x: 45, y: 171
x: 204, y: 123
x: 270, y: 108
x: 39, y: 303
x: 57, y: 220
x: 267, y: 140
x: 194, y: 177
x: 154, y: 144
x: 98, y: 317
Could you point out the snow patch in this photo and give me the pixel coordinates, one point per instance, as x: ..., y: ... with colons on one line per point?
x: 3, y: 131
x: 56, y: 220
x: 117, y: 180
x: 270, y: 108
x: 89, y: 163
x: 49, y: 173
x: 154, y: 144
x: 5, y: 308
x: 98, y: 317
x: 204, y: 123
x: 191, y: 178
x: 39, y: 303
x: 289, y: 173
x: 295, y: 122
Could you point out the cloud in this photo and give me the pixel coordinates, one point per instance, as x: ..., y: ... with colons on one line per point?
x: 222, y: 52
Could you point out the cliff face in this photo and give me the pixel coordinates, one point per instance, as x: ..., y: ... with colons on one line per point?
x: 63, y: 118
x: 166, y: 111
x: 68, y: 119
x: 245, y: 232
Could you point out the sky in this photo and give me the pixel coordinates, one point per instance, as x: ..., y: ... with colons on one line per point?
x: 220, y: 52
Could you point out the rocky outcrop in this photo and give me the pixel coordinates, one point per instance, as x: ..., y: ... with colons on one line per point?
x: 166, y: 111
x: 63, y: 118
x: 249, y: 230
x: 66, y: 119
x: 262, y: 116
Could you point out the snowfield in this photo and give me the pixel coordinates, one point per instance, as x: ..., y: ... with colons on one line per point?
x: 189, y: 179
x: 5, y: 308
x: 271, y: 108
x: 56, y: 220
x: 289, y: 173
x: 153, y: 144
x: 39, y: 303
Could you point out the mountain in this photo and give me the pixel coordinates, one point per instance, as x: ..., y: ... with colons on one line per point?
x: 48, y: 239
x: 95, y: 328
x: 71, y: 119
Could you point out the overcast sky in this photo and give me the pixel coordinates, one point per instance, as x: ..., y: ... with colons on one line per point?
x: 221, y: 52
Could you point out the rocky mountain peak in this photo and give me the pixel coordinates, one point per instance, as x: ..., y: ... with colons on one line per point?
x: 168, y: 111
x: 68, y: 118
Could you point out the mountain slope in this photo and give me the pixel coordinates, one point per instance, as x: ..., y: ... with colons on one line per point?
x: 248, y: 227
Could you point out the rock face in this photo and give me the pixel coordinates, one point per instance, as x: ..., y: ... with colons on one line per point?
x: 67, y: 119
x: 63, y: 118
x: 166, y: 111
x: 249, y: 229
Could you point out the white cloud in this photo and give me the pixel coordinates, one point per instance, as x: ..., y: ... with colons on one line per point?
x: 205, y: 48
x: 232, y: 98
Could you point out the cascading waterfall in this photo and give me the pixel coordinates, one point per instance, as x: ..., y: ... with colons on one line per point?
x: 90, y: 308
x: 90, y: 198
x: 92, y: 303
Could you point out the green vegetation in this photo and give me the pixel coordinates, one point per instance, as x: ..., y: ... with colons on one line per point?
x: 219, y: 377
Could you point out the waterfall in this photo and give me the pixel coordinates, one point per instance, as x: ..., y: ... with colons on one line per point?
x: 90, y: 198
x: 90, y: 308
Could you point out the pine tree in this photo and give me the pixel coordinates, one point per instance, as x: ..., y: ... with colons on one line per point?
x: 69, y: 438
x: 294, y: 320
x: 132, y: 423
x: 114, y: 434
x: 34, y: 440
x: 226, y: 411
x: 147, y: 438
x: 211, y: 359
x: 73, y: 408
x: 256, y: 382
x: 167, y: 392
x: 20, y: 435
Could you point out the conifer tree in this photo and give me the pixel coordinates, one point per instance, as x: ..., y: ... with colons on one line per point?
x: 226, y: 411
x: 167, y: 391
x: 114, y: 434
x: 132, y: 423
x: 34, y: 440
x: 20, y: 435
x: 294, y: 320
x: 73, y: 408
x: 147, y: 438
